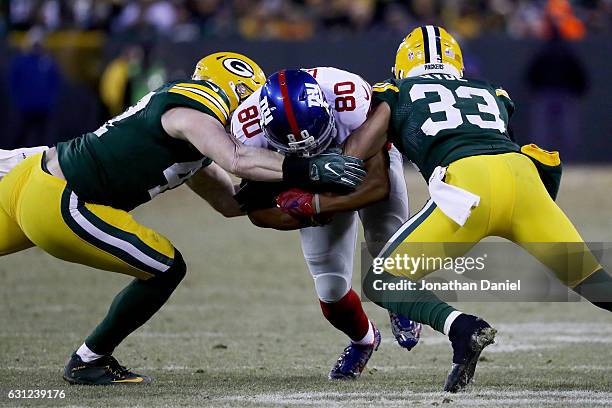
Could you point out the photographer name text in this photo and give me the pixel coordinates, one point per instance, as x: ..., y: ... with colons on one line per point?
x: 454, y: 285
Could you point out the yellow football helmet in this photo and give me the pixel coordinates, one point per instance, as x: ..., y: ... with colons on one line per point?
x: 237, y: 75
x: 427, y: 50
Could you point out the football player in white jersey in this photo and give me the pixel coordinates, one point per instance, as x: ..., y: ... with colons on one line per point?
x: 307, y: 112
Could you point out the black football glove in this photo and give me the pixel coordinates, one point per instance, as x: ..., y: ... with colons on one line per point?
x: 331, y: 171
x: 257, y: 195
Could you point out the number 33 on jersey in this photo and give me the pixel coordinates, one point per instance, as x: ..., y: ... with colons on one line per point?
x: 348, y: 94
x: 439, y: 118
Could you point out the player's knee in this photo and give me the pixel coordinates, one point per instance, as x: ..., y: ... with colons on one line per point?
x: 332, y: 275
x: 336, y: 262
x: 331, y: 288
x: 175, y: 274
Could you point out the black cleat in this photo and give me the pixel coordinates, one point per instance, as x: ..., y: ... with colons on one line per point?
x: 469, y: 335
x: 103, y: 371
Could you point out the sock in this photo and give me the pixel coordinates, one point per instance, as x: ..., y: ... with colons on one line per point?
x: 133, y: 306
x: 86, y: 354
x: 461, y: 329
x: 347, y: 315
x: 597, y: 289
x: 422, y: 306
x: 450, y: 320
x: 368, y: 338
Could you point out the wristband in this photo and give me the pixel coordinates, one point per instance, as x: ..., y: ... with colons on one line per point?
x: 317, y: 204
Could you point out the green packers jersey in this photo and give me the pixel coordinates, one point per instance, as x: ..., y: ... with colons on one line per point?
x: 131, y: 159
x: 437, y: 119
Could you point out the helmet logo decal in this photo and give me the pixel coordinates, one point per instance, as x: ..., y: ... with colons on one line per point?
x: 314, y: 96
x: 239, y: 67
x: 266, y: 111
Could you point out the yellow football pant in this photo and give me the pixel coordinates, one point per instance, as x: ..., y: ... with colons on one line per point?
x: 37, y: 208
x: 514, y: 204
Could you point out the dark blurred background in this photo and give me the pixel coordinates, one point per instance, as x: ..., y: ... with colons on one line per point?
x: 68, y: 65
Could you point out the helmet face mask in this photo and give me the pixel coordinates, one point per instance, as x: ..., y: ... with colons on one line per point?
x: 428, y: 50
x: 236, y: 74
x: 295, y: 117
x: 309, y: 145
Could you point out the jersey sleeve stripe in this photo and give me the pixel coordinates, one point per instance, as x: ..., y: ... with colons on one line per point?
x: 215, y: 95
x: 207, y: 93
x: 502, y: 92
x: 221, y: 115
x: 383, y: 87
x: 208, y: 96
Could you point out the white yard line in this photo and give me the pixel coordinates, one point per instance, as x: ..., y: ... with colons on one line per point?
x: 480, y: 398
x: 488, y: 366
x: 379, y: 368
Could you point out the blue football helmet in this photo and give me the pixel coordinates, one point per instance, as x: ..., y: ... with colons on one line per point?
x: 295, y: 117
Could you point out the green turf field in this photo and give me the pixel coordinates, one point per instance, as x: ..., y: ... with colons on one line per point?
x: 244, y: 328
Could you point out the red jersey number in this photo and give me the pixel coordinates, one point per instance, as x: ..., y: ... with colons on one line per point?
x: 249, y: 118
x: 345, y: 101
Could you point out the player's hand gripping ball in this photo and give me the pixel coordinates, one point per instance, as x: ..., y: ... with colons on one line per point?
x: 296, y: 202
x: 300, y: 204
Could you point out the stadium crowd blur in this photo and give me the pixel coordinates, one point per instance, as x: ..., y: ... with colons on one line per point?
x: 39, y: 32
x: 299, y: 19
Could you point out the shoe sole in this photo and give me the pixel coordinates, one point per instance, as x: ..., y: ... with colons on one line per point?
x: 485, y: 338
x: 406, y: 346
x: 398, y: 333
x: 462, y: 374
x: 72, y: 381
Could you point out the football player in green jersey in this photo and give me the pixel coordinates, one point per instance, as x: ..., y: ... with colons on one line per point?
x: 455, y: 130
x: 73, y: 200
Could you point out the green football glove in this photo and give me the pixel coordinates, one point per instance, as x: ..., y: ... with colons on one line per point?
x: 330, y: 171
